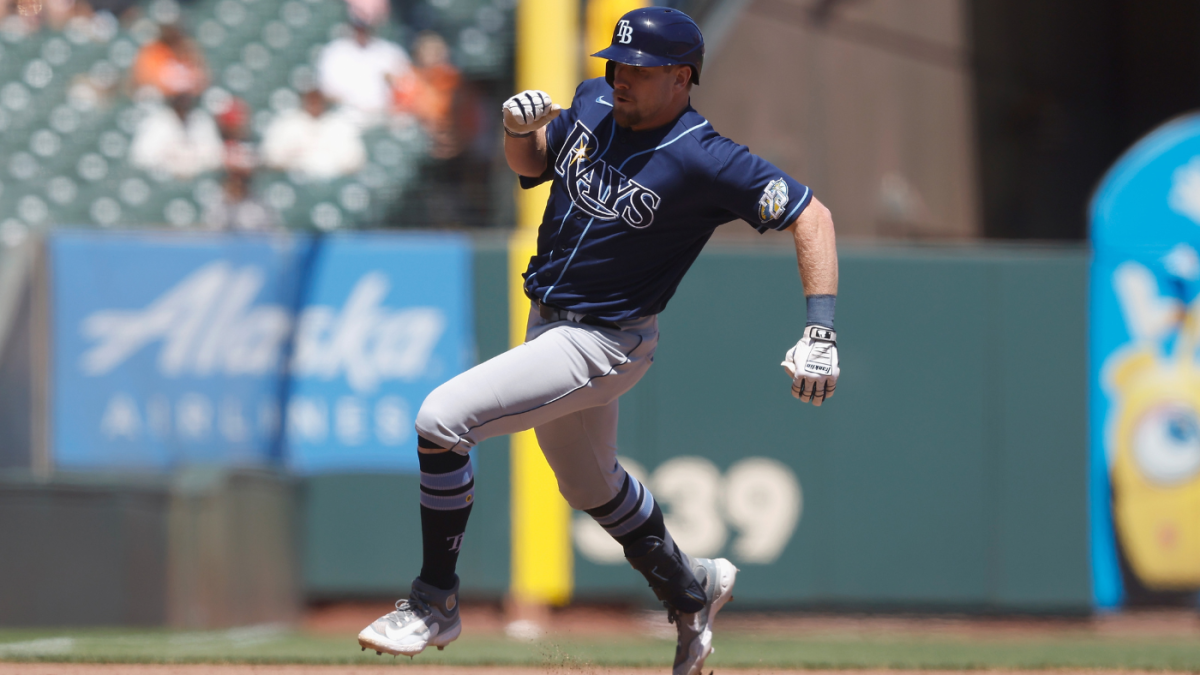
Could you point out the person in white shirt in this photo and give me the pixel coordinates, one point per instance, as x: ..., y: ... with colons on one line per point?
x: 317, y: 144
x: 179, y: 139
x: 357, y: 72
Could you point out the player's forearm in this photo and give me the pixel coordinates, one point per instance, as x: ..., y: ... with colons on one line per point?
x: 816, y: 250
x: 526, y: 156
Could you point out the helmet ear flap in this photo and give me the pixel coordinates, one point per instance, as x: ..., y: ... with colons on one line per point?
x: 609, y: 69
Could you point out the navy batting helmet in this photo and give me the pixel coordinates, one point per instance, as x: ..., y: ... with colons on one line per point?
x: 655, y: 36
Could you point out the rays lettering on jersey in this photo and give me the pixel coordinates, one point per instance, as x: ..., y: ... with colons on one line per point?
x: 597, y: 188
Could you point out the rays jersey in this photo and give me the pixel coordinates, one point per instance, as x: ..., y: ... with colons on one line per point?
x: 630, y: 210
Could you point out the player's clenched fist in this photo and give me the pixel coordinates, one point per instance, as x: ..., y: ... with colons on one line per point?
x: 813, y: 365
x: 529, y: 111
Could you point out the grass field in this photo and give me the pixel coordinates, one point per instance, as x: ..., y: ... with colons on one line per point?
x: 267, y: 644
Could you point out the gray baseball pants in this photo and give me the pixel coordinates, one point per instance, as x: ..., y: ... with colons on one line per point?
x: 563, y: 383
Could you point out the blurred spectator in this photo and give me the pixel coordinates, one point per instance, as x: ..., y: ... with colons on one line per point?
x: 52, y: 13
x: 451, y: 188
x: 26, y: 12
x: 358, y: 71
x: 373, y: 12
x: 429, y: 93
x: 238, y: 210
x: 313, y: 141
x: 179, y: 139
x: 233, y: 123
x: 173, y: 64
x: 58, y: 12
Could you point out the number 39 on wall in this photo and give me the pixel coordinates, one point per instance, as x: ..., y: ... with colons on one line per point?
x: 758, y: 497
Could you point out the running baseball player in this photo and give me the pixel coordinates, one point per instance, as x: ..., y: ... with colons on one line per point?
x: 639, y: 182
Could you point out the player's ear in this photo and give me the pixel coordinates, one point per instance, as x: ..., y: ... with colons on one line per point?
x: 683, y: 76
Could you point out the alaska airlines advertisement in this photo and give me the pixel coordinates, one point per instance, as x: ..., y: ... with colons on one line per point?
x: 315, y: 353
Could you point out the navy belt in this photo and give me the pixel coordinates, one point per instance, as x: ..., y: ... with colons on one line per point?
x: 552, y: 313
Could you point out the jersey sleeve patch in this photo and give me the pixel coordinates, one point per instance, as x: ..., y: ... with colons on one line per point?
x: 758, y: 192
x: 773, y: 201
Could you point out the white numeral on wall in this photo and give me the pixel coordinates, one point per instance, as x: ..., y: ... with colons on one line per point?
x: 763, y: 501
x: 758, y: 497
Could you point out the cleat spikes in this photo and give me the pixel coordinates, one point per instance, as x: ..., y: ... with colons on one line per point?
x: 427, y: 618
x: 378, y: 653
x: 442, y: 648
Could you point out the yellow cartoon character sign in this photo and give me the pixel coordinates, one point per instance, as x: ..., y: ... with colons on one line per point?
x: 1154, y: 441
x: 1144, y: 380
x: 1156, y: 469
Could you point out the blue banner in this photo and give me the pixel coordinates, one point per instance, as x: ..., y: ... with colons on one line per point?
x: 387, y: 320
x: 234, y: 350
x: 1144, y: 467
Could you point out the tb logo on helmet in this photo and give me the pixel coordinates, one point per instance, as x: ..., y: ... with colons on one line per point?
x: 664, y: 37
x: 624, y: 32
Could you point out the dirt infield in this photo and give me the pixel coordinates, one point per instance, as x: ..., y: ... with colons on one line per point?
x: 202, y: 669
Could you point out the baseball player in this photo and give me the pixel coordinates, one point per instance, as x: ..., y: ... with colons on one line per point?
x: 639, y: 182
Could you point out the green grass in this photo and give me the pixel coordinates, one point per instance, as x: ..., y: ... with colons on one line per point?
x: 270, y: 645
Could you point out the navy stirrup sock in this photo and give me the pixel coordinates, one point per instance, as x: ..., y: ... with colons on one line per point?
x: 634, y: 519
x: 447, y: 493
x: 631, y: 515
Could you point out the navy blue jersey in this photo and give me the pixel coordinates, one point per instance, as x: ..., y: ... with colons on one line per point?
x: 629, y: 210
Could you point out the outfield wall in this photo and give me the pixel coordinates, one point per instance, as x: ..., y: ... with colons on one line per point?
x: 949, y: 472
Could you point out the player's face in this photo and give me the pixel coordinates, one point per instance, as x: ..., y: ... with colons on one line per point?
x: 645, y: 98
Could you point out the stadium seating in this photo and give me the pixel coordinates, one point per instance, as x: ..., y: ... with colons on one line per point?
x: 66, y: 119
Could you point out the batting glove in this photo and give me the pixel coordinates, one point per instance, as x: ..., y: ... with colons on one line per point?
x: 528, y: 111
x: 813, y: 365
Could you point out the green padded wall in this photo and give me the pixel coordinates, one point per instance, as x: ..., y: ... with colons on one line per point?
x: 947, y: 473
x: 949, y: 470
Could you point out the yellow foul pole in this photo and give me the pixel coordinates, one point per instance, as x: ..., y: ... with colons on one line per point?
x: 547, y: 59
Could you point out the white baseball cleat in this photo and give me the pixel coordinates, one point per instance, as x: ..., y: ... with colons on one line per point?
x: 695, y: 630
x: 429, y: 616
